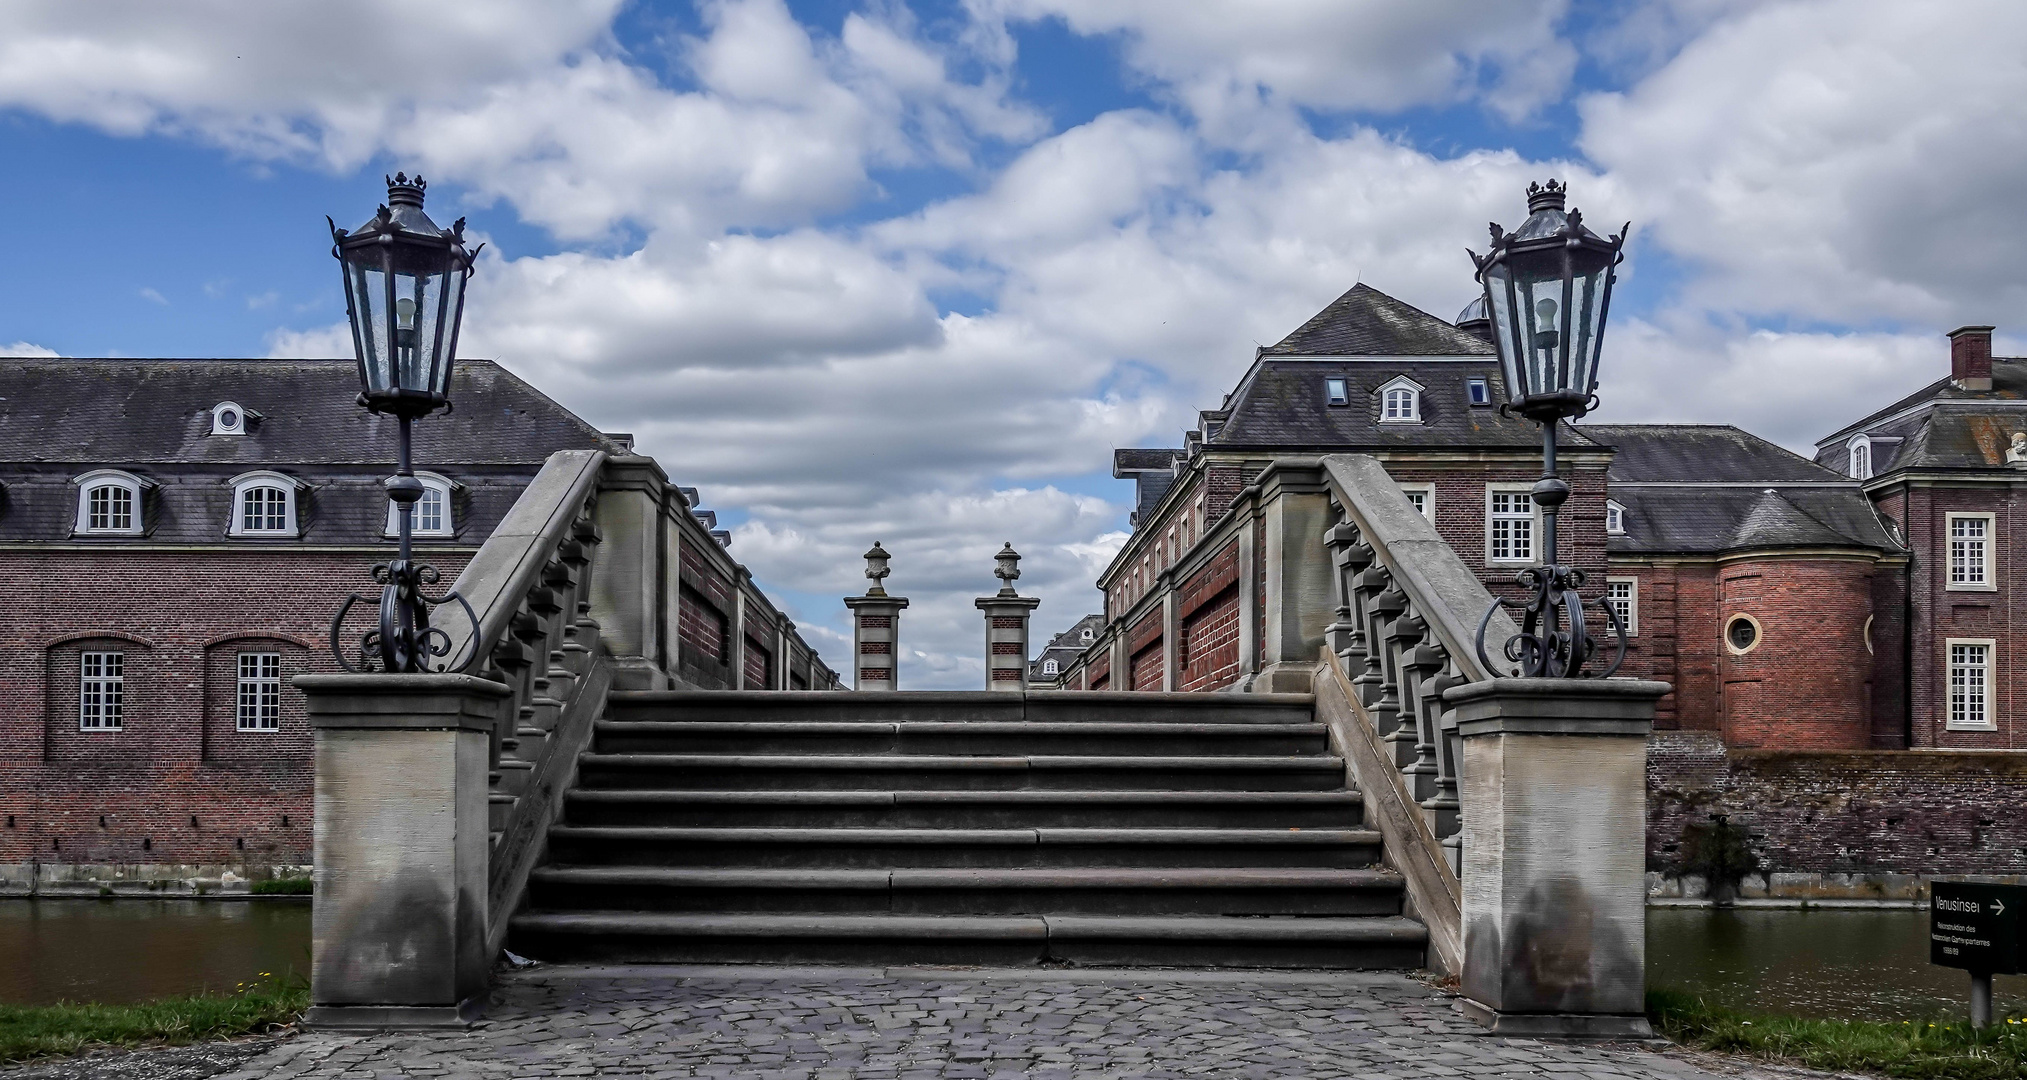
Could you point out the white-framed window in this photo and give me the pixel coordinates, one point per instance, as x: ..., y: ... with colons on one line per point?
x: 1970, y: 674
x: 1623, y: 593
x: 264, y: 505
x: 1509, y: 525
x: 1336, y: 391
x: 1090, y: 635
x: 1479, y: 390
x: 227, y: 418
x: 1423, y: 498
x: 1615, y: 518
x: 101, y: 691
x: 1400, y: 401
x: 1050, y: 667
x: 433, y: 515
x: 1970, y: 561
x: 109, y: 503
x: 260, y: 691
x: 1859, y: 454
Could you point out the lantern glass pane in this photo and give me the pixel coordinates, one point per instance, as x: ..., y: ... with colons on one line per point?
x: 449, y: 296
x: 368, y: 287
x: 1499, y: 306
x: 1588, y: 325
x: 1538, y: 293
x: 414, y: 305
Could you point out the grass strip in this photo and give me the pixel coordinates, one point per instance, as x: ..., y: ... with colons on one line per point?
x: 1938, y: 1047
x: 34, y: 1031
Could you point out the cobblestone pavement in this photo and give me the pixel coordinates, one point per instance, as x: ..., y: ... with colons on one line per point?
x: 856, y: 1025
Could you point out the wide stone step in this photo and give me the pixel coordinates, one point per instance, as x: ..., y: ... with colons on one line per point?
x: 967, y: 809
x: 945, y: 891
x: 987, y: 737
x: 1210, y: 941
x: 897, y: 771
x: 895, y: 848
x: 1068, y: 706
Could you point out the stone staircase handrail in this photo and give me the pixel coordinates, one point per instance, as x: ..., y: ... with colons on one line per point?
x: 507, y: 566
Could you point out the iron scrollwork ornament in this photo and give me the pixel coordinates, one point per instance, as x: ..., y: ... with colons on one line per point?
x: 404, y: 640
x: 1554, y: 642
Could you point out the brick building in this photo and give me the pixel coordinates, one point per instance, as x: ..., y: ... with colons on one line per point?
x: 1863, y: 600
x: 174, y: 538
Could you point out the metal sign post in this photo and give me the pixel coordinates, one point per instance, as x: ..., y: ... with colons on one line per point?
x: 1975, y: 926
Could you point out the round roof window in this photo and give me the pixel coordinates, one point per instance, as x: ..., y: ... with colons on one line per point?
x: 1742, y: 633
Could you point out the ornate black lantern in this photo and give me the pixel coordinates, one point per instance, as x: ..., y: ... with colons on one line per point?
x: 1548, y: 290
x: 404, y: 293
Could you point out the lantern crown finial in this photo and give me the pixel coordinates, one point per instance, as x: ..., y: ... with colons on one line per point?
x: 403, y: 191
x: 1549, y: 196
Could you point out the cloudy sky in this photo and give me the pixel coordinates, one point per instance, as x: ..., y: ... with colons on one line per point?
x: 909, y: 270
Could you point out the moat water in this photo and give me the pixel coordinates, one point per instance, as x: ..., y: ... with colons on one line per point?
x: 1869, y: 964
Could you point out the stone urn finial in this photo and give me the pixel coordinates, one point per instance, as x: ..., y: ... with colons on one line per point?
x: 1007, y: 568
x: 876, y: 569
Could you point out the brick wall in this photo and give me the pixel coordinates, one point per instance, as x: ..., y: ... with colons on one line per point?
x: 180, y: 619
x: 1208, y: 609
x: 1843, y: 812
x: 1937, y: 613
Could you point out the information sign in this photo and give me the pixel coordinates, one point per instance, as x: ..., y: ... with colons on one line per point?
x: 1976, y: 926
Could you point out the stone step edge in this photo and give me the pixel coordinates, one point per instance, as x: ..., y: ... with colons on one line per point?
x: 959, y: 797
x: 943, y: 762
x: 822, y: 879
x: 1296, y: 929
x: 948, y: 727
x: 1296, y: 837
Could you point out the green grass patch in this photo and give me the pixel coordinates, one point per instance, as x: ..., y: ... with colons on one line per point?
x: 287, y: 886
x: 1939, y: 1047
x: 33, y: 1031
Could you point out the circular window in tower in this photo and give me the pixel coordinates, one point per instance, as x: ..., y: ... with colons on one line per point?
x: 1741, y: 634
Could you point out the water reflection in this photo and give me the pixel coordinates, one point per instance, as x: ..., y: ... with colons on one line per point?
x: 134, y: 950
x: 1834, y: 963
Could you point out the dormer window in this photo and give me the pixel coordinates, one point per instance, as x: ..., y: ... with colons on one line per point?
x: 227, y: 418
x: 1615, y: 518
x: 1089, y: 635
x: 1401, y: 402
x: 264, y: 505
x: 433, y: 515
x: 1480, y: 391
x: 109, y: 503
x: 1859, y: 450
x: 1050, y: 667
x: 1336, y: 392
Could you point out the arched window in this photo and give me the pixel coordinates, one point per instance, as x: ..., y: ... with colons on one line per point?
x: 1860, y: 449
x: 1615, y: 518
x: 109, y: 503
x: 264, y: 505
x: 1401, y: 401
x: 433, y: 514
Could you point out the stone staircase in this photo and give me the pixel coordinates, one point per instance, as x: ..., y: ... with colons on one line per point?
x: 934, y: 828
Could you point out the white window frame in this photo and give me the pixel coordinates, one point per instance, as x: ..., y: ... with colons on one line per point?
x: 258, y: 695
x: 443, y: 486
x: 136, y: 488
x: 1428, y: 494
x: 1090, y: 635
x: 1524, y: 491
x: 1950, y: 698
x: 1413, y: 390
x: 245, y: 483
x: 1615, y: 518
x: 101, y: 690
x: 1472, y: 388
x: 1336, y: 391
x: 1050, y: 667
x: 1859, y: 446
x: 1630, y: 616
x: 220, y: 423
x: 1987, y: 578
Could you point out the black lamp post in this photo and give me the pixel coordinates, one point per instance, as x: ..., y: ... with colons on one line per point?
x: 1548, y: 289
x: 404, y: 293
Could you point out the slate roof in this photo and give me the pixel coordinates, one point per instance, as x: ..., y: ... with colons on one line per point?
x: 1708, y: 489
x: 1367, y: 322
x: 1946, y: 427
x: 1283, y: 405
x: 61, y: 418
x: 1066, y: 646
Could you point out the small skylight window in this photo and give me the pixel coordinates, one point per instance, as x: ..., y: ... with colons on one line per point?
x: 1336, y: 391
x: 1615, y: 519
x: 227, y: 418
x: 1480, y: 390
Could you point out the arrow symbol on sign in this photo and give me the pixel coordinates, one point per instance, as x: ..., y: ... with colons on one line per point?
x: 1998, y: 907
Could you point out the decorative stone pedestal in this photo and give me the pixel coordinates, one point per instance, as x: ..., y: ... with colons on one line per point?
x: 876, y: 628
x: 1006, y: 626
x: 398, y: 927
x: 1555, y: 839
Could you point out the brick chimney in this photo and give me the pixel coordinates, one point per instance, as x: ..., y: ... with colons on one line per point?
x: 1971, y: 357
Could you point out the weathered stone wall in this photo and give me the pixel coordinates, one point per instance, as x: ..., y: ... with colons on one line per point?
x: 1841, y: 815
